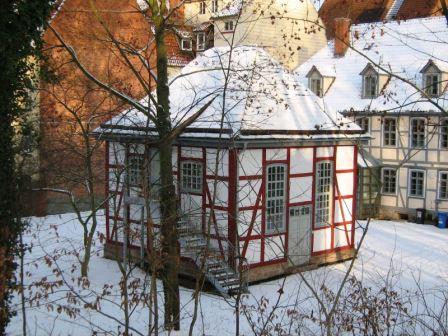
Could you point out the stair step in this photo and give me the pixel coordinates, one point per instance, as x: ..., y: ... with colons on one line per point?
x: 227, y: 284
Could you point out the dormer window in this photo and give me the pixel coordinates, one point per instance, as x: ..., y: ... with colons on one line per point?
x: 228, y: 26
x: 370, y: 86
x: 186, y: 44
x: 432, y: 78
x: 431, y: 84
x: 320, y: 81
x: 200, y: 41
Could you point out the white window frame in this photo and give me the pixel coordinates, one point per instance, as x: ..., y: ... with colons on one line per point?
x: 276, y: 198
x: 366, y: 89
x: 324, y: 195
x: 202, y: 8
x: 429, y: 87
x: 410, y: 194
x: 214, y: 6
x: 316, y: 89
x: 443, y: 132
x: 200, y: 45
x: 229, y: 26
x: 134, y: 169
x: 191, y: 176
x: 439, y: 185
x: 186, y: 48
x: 389, y: 131
x: 419, y: 133
x: 383, y: 184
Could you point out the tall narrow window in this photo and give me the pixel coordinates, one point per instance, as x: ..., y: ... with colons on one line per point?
x: 324, y: 192
x: 390, y: 132
x: 364, y: 123
x: 135, y: 170
x: 275, y: 198
x: 444, y: 133
x: 200, y: 41
x: 202, y: 7
x: 370, y: 86
x: 316, y: 86
x: 443, y: 185
x: 191, y: 176
x: 431, y: 84
x: 389, y: 181
x: 418, y: 133
x: 417, y: 183
x: 214, y: 6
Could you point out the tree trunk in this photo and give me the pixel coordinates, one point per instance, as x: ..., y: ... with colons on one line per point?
x: 168, y: 204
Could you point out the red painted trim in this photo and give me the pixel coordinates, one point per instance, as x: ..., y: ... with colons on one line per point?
x: 260, y: 236
x: 251, y: 177
x: 355, y: 192
x: 288, y: 187
x: 179, y: 148
x: 327, y: 158
x: 263, y: 200
x: 335, y: 148
x: 343, y: 223
x: 301, y: 175
x: 269, y: 162
x: 232, y: 205
x: 343, y: 171
x: 341, y: 206
x: 184, y: 158
x: 219, y: 178
x: 106, y: 172
x: 248, y: 208
x: 337, y: 249
x: 313, y: 198
x: 115, y: 166
x: 216, y: 207
x: 205, y: 190
x: 267, y: 263
x: 300, y: 203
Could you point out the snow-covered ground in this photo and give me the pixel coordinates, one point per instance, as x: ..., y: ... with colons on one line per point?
x: 400, y: 254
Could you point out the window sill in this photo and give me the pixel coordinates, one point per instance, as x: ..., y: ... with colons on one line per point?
x: 417, y: 197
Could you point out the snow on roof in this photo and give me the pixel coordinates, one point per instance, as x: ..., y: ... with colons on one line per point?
x: 262, y: 99
x: 403, y: 47
x: 232, y: 8
x: 183, y: 33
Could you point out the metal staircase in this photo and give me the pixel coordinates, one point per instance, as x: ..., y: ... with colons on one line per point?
x: 193, y: 245
x: 394, y: 9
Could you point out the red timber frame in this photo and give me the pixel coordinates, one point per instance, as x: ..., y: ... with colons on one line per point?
x: 233, y: 209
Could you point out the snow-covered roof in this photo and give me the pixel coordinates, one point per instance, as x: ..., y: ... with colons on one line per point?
x: 262, y: 100
x: 231, y: 8
x: 404, y: 48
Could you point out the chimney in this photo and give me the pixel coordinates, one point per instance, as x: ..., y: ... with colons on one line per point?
x: 342, y: 36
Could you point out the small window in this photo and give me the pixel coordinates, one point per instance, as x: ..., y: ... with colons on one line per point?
x: 186, y: 44
x: 202, y: 7
x: 200, y: 41
x: 275, y: 198
x: 443, y: 185
x: 316, y: 86
x: 228, y: 26
x: 214, y: 6
x: 390, y: 132
x: 191, y: 176
x: 431, y: 84
x: 364, y: 123
x: 389, y: 181
x: 135, y: 170
x: 370, y: 86
x: 324, y: 193
x: 444, y: 133
x: 418, y: 133
x: 417, y: 183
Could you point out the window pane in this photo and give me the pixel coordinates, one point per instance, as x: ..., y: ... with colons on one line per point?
x: 417, y: 183
x: 418, y: 133
x: 443, y: 185
x: 275, y: 197
x: 324, y: 184
x: 191, y: 176
x: 389, y: 181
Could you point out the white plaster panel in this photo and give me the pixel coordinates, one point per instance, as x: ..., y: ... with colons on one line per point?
x: 247, y: 192
x: 321, y: 240
x: 250, y: 162
x: 244, y: 219
x: 274, y: 248
x: 191, y: 205
x: 345, y: 157
x: 221, y: 221
x: 341, y: 234
x: 276, y: 154
x: 324, y: 152
x: 401, y: 200
x: 418, y: 155
x: 117, y: 153
x: 191, y: 152
x: 223, y: 162
x: 389, y: 153
x: 116, y: 178
x: 387, y: 200
x: 253, y: 252
x: 344, y: 207
x: 301, y: 160
x: 345, y: 183
x: 301, y: 189
x: 222, y: 192
x: 430, y: 199
x: 415, y: 203
x: 432, y: 156
x: 431, y: 179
